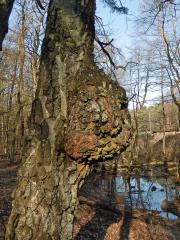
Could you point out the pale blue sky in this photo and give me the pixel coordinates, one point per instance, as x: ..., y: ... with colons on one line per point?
x: 123, y: 28
x: 120, y: 26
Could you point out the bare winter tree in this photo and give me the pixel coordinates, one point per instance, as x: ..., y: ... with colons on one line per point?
x: 162, y: 18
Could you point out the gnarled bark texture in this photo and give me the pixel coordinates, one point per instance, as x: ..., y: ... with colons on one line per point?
x: 78, y: 117
x: 5, y: 10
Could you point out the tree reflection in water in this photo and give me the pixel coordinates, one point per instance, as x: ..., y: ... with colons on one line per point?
x: 116, y: 196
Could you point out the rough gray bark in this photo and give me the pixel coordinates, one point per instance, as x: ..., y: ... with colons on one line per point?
x: 79, y: 117
x: 5, y: 10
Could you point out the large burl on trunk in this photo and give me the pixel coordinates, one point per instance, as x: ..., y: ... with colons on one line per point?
x: 79, y: 116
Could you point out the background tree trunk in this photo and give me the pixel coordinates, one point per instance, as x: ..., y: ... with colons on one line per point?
x: 19, y: 124
x: 79, y: 116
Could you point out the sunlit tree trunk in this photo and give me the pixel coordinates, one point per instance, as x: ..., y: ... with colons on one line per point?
x: 78, y: 117
x: 3, y: 136
x: 163, y: 116
x: 10, y: 145
x: 19, y: 124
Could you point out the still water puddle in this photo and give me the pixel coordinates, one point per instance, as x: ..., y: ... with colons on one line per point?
x: 136, y: 192
x: 147, y: 193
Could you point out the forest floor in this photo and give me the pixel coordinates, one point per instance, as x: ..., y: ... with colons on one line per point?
x: 101, y: 216
x: 98, y: 222
x: 96, y: 219
x: 8, y: 172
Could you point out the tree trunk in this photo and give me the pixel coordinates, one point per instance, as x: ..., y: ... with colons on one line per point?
x: 163, y: 117
x: 79, y: 116
x: 178, y: 107
x: 19, y: 125
x: 10, y: 144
